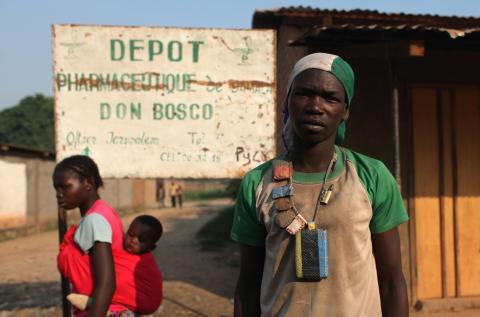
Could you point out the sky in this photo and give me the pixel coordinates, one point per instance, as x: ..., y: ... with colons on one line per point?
x: 25, y: 49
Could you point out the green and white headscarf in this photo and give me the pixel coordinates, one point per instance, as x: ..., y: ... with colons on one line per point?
x: 327, y: 62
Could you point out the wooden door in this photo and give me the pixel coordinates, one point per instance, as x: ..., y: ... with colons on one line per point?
x: 446, y: 191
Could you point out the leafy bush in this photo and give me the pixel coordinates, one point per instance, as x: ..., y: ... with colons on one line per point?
x: 29, y: 124
x: 205, y: 194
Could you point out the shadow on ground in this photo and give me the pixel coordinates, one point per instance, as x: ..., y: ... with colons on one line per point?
x: 198, y: 283
x: 181, y: 258
x: 28, y: 295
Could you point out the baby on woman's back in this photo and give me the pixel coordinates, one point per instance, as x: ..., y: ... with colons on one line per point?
x: 141, y: 237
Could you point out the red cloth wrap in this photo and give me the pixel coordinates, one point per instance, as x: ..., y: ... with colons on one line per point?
x: 138, y: 279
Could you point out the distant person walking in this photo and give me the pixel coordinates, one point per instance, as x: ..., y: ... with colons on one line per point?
x: 179, y: 192
x: 173, y: 193
x: 160, y: 194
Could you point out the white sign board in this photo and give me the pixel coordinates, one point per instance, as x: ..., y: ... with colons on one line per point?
x: 160, y: 102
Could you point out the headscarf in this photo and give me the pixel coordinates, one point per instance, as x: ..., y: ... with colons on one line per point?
x: 327, y: 62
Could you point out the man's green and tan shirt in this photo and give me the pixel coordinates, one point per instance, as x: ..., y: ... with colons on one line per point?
x: 365, y: 200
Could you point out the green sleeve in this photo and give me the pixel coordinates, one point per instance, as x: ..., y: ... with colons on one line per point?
x: 247, y: 228
x: 388, y: 208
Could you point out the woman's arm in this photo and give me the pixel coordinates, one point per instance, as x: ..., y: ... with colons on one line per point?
x: 101, y: 260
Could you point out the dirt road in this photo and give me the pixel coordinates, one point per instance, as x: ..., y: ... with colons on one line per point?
x: 194, y: 286
x: 197, y: 283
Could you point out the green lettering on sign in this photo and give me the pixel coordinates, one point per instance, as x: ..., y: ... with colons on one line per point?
x: 133, y: 48
x: 117, y: 50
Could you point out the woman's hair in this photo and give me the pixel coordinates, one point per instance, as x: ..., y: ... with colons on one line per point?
x: 82, y: 165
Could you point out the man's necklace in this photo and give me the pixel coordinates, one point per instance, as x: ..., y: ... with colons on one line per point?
x: 288, y: 216
x: 324, y: 194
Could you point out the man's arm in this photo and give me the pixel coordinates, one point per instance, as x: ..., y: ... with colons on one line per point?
x: 393, y: 290
x: 247, y: 293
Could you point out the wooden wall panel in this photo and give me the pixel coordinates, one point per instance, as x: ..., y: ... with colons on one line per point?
x: 467, y: 138
x: 426, y: 201
x: 447, y: 196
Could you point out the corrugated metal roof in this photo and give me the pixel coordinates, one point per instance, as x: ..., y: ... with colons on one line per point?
x: 364, y: 17
x: 12, y: 149
x: 308, y: 10
x: 417, y: 30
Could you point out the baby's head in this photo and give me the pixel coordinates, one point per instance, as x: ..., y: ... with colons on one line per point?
x: 142, y: 235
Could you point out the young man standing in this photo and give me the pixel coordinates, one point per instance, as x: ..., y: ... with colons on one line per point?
x: 318, y: 225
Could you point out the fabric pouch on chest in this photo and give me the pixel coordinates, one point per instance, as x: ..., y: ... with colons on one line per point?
x: 311, y: 254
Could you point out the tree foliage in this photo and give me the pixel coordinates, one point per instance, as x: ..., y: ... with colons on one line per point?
x: 29, y: 124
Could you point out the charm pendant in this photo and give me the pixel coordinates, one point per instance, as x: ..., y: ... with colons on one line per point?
x: 297, y: 224
x: 282, y: 191
x: 282, y: 170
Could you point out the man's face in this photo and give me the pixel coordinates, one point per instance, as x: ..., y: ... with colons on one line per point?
x: 316, y: 106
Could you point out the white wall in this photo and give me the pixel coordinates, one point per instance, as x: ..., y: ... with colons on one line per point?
x: 13, y: 193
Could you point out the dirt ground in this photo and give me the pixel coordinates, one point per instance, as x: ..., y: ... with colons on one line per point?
x: 197, y: 283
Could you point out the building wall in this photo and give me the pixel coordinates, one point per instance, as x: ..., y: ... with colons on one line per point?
x: 40, y: 202
x: 439, y: 70
x: 370, y: 125
x: 41, y: 211
x: 109, y: 192
x: 125, y: 193
x: 27, y: 197
x: 13, y: 193
x: 150, y: 193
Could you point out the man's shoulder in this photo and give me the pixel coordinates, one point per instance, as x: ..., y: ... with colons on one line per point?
x: 257, y: 173
x: 364, y: 163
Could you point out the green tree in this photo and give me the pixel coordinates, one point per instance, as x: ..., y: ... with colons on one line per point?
x: 29, y: 124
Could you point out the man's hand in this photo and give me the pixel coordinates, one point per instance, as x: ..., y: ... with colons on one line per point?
x: 393, y: 290
x: 247, y: 293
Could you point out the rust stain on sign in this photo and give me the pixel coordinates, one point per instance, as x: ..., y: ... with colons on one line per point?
x: 248, y: 84
x: 117, y: 84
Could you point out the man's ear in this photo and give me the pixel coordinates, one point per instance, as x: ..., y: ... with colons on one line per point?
x: 347, y: 113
